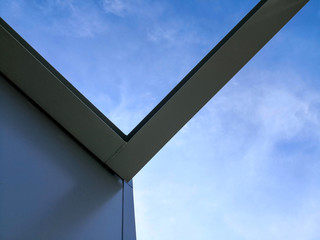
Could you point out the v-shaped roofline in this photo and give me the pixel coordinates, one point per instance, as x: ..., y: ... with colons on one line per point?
x: 127, y: 154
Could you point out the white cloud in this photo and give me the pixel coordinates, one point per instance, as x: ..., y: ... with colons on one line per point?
x: 118, y: 7
x: 224, y: 166
x: 302, y: 223
x: 75, y: 19
x: 127, y: 110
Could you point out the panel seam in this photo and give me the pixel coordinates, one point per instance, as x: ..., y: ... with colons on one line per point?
x: 122, y: 213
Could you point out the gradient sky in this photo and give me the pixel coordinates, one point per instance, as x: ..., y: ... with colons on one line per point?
x: 247, y: 166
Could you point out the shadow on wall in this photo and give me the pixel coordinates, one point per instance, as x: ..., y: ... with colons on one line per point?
x: 51, y: 187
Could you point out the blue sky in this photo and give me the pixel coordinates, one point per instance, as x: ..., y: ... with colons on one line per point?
x: 247, y: 166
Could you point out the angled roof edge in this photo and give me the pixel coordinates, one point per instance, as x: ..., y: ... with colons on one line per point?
x: 202, y: 83
x: 31, y: 73
x: 50, y: 68
x: 126, y: 155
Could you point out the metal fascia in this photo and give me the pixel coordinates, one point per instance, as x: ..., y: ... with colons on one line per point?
x: 46, y: 87
x: 218, y: 67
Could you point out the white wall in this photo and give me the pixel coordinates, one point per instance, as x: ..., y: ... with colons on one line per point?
x: 51, y: 187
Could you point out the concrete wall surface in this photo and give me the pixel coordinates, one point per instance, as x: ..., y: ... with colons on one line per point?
x: 51, y: 187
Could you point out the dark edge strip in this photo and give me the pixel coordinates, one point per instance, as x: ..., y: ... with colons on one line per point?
x: 163, y: 101
x: 63, y: 80
x: 196, y: 68
x: 36, y: 105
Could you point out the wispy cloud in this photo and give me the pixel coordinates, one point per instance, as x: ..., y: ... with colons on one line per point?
x: 246, y: 167
x: 247, y: 188
x: 71, y: 18
x: 125, y: 111
x: 139, y: 8
x: 118, y: 7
